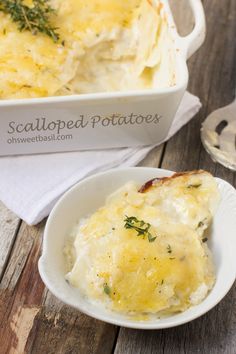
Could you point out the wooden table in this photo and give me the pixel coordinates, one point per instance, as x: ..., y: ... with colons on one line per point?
x: 32, y: 320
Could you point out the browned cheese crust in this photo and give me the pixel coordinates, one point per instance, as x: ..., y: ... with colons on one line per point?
x: 157, y: 181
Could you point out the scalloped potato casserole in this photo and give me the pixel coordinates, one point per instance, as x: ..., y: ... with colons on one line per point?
x: 105, y: 45
x: 145, y: 251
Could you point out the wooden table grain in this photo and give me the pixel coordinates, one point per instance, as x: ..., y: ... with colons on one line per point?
x: 32, y: 320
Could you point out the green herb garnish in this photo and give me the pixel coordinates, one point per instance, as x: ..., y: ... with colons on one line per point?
x: 204, y: 239
x: 194, y: 185
x: 169, y: 250
x: 140, y: 226
x: 107, y: 289
x: 34, y: 19
x: 200, y: 224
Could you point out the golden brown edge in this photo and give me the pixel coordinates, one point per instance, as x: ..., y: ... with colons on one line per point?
x: 151, y: 183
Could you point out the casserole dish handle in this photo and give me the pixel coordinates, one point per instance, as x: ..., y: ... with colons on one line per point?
x: 195, y: 39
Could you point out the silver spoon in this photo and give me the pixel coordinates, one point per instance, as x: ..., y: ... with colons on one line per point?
x: 218, y: 135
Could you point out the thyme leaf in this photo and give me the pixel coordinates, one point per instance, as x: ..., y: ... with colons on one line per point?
x: 140, y: 226
x: 194, y: 185
x: 107, y: 289
x: 34, y: 19
x: 200, y: 224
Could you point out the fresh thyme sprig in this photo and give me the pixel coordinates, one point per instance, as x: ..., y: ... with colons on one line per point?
x: 140, y: 226
x: 34, y: 19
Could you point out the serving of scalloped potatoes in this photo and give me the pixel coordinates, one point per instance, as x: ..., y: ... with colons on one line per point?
x: 103, y: 46
x: 145, y: 252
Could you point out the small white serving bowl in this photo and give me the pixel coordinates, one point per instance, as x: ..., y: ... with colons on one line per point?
x: 90, y: 194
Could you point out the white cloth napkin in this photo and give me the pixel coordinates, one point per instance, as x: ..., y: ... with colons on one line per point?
x: 31, y: 185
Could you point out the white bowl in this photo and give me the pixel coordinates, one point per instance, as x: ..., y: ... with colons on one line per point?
x: 86, y: 197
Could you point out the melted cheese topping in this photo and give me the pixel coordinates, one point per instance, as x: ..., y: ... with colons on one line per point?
x: 105, y: 46
x: 129, y: 274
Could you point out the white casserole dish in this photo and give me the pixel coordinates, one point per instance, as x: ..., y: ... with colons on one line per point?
x: 78, y: 122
